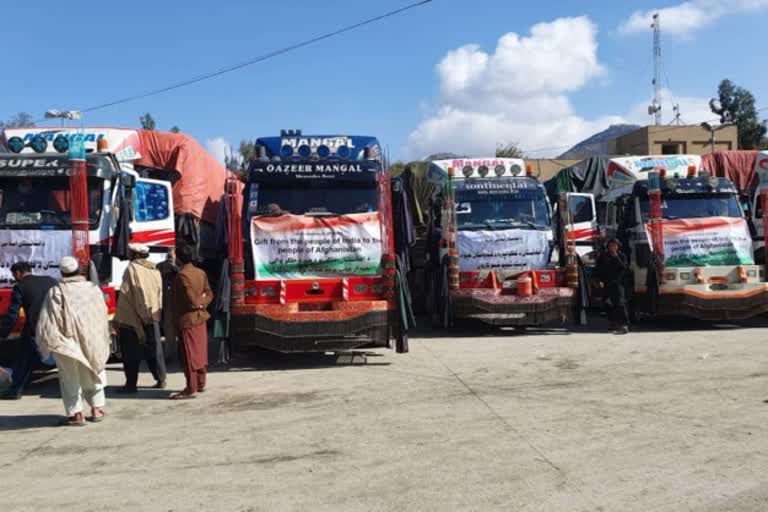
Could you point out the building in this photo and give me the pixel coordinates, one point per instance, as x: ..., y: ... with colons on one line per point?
x: 674, y: 140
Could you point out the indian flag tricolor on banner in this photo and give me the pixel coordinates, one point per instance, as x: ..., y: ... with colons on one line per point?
x: 299, y: 246
x: 709, y: 241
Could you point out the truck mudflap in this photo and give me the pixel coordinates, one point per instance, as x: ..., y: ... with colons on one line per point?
x: 547, y: 305
x: 284, y: 328
x: 738, y: 302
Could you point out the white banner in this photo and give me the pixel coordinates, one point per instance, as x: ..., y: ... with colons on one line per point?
x: 42, y: 249
x: 708, y: 241
x: 508, y: 249
x: 295, y: 246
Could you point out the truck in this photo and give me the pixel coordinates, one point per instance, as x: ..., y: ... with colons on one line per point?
x: 686, y: 238
x: 316, y: 268
x: 143, y: 186
x: 495, y: 253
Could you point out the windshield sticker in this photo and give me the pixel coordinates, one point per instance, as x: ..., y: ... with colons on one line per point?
x: 41, y: 249
x: 705, y: 242
x: 509, y: 249
x: 302, y: 246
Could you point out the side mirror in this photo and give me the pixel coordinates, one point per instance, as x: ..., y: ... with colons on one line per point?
x: 128, y: 180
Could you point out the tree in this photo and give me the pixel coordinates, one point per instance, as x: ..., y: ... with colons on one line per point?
x: 21, y: 119
x: 175, y: 129
x: 511, y: 150
x: 737, y: 105
x: 147, y: 122
x: 247, y: 151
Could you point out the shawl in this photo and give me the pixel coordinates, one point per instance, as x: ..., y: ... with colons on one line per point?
x: 74, y: 323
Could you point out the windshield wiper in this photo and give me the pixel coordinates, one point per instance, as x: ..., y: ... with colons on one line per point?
x: 322, y: 214
x: 526, y: 223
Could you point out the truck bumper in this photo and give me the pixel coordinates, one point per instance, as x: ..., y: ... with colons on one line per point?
x: 548, y: 305
x: 283, y: 328
x: 739, y: 302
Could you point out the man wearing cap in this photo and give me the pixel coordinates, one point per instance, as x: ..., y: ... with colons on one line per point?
x: 613, y: 272
x: 191, y: 296
x: 28, y: 295
x: 138, y: 315
x: 73, y: 326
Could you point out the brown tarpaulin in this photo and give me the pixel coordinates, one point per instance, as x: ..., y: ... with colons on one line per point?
x: 201, y: 183
x: 736, y: 165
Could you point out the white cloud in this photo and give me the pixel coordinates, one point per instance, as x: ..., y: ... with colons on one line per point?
x: 684, y: 18
x: 516, y: 94
x: 218, y: 147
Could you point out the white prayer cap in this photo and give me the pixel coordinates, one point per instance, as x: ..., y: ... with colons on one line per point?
x: 68, y: 265
x: 138, y: 248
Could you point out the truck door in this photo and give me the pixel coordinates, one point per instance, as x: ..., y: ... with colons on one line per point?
x: 152, y: 223
x: 582, y: 230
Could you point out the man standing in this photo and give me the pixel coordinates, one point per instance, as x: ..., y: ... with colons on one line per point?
x: 168, y: 270
x: 138, y: 319
x: 74, y: 327
x: 613, y: 271
x: 28, y: 294
x: 191, y: 295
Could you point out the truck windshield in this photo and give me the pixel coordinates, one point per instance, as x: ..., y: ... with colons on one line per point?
x: 321, y: 198
x: 691, y: 206
x: 502, y: 208
x: 32, y: 202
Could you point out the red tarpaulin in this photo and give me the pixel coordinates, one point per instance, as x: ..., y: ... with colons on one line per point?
x: 201, y: 183
x: 736, y: 165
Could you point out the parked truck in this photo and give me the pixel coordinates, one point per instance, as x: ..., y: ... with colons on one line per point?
x: 138, y: 186
x: 316, y: 269
x: 688, y: 243
x: 495, y: 254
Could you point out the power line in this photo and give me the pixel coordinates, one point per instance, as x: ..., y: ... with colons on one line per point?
x: 257, y: 59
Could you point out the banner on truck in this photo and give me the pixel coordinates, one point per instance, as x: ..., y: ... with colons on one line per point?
x: 41, y: 249
x: 508, y: 249
x: 298, y: 246
x: 705, y: 242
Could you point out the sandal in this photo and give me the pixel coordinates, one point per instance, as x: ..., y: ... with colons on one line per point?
x: 96, y: 419
x: 73, y: 422
x: 182, y: 395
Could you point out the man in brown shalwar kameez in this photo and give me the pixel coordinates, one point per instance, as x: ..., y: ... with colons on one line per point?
x: 191, y: 296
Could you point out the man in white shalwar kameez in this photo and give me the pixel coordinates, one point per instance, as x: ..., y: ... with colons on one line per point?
x: 74, y: 327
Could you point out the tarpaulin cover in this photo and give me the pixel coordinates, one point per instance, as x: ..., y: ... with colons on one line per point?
x: 736, y: 165
x: 588, y: 176
x: 201, y: 183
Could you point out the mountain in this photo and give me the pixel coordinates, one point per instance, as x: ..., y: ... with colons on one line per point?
x: 597, y: 144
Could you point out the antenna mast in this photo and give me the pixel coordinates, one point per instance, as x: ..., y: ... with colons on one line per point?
x: 655, y: 108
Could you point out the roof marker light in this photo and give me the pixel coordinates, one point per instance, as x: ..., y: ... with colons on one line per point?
x: 467, y: 171
x: 102, y: 145
x: 691, y: 171
x: 38, y: 144
x: 529, y: 170
x: 482, y: 171
x: 305, y: 151
x: 323, y: 151
x: 515, y: 170
x: 343, y: 151
x: 499, y: 170
x: 662, y: 172
x: 286, y: 151
x: 16, y: 144
x: 61, y: 143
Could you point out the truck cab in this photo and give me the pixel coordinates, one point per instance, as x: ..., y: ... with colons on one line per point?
x: 493, y: 230
x: 318, y: 247
x: 36, y: 203
x: 686, y: 239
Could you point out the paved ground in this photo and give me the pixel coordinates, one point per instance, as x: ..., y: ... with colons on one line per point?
x: 660, y: 420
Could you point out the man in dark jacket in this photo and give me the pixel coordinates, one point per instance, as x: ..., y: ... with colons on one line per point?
x: 28, y: 294
x: 613, y: 272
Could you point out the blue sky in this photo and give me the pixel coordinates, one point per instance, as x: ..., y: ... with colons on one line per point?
x: 410, y: 80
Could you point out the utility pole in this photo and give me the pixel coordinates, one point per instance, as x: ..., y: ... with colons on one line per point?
x: 655, y: 108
